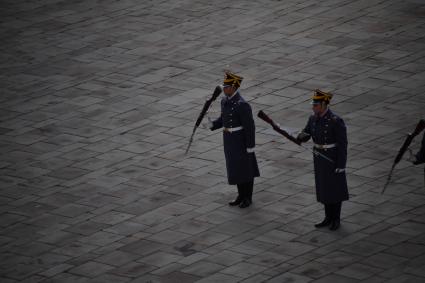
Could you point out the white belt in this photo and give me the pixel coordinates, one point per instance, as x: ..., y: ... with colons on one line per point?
x: 325, y: 146
x: 230, y: 130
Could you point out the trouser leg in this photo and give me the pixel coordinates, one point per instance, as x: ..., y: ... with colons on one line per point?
x: 336, y: 215
x: 334, y: 211
x: 240, y: 191
x: 245, y: 190
x: 328, y: 211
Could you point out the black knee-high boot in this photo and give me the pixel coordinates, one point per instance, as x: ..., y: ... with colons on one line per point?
x: 246, y: 194
x: 336, y: 215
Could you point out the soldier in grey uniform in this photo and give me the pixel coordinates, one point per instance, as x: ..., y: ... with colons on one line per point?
x: 238, y: 140
x: 329, y: 135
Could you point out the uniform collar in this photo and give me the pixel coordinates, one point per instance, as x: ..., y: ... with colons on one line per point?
x: 327, y: 114
x: 235, y: 94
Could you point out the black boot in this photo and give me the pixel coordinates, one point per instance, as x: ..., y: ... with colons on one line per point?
x: 246, y: 195
x: 245, y: 203
x: 238, y: 199
x: 324, y: 223
x: 236, y: 202
x: 336, y: 215
x: 334, y: 225
x: 327, y: 220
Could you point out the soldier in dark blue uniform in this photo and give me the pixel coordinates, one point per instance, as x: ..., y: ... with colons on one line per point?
x: 238, y: 139
x: 329, y: 135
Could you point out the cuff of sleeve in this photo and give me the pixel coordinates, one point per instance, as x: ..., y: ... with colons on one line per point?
x: 250, y: 150
x: 339, y: 170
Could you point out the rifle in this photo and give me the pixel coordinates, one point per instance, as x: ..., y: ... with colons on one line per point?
x: 284, y: 133
x: 207, y: 105
x: 419, y: 128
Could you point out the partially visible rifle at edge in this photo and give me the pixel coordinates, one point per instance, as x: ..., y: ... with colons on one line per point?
x: 419, y: 128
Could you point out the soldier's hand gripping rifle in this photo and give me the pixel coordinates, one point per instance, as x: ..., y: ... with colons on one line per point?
x: 263, y: 116
x: 419, y: 128
x: 216, y: 93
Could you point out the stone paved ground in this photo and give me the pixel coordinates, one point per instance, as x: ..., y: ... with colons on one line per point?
x: 98, y: 99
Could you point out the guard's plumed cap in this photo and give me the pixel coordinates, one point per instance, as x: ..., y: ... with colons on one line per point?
x: 231, y: 79
x: 321, y: 96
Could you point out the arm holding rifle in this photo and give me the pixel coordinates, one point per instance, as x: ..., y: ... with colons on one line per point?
x: 277, y: 128
x: 305, y: 134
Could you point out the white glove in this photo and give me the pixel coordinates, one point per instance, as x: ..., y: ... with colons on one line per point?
x: 250, y: 150
x: 207, y: 125
x: 339, y: 170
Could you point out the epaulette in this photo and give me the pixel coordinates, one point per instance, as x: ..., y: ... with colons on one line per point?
x: 335, y: 118
x: 240, y: 100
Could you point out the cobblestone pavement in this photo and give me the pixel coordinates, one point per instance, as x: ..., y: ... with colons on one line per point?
x: 98, y: 99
